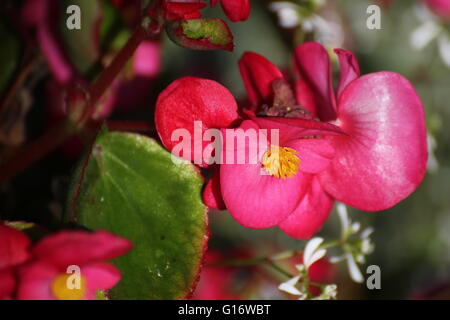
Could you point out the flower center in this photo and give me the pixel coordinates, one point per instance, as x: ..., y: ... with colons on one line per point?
x: 281, y: 162
x: 64, y: 288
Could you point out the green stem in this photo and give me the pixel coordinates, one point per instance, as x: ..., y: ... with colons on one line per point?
x: 332, y: 244
x: 277, y: 268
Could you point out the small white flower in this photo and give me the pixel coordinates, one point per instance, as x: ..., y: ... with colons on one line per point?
x: 355, y: 227
x: 343, y: 217
x: 424, y: 34
x: 330, y: 291
x: 430, y: 29
x: 303, y: 296
x: 289, y: 286
x: 353, y: 269
x: 365, y: 234
x: 360, y: 258
x: 301, y: 268
x: 287, y: 12
x: 367, y: 246
x: 312, y: 252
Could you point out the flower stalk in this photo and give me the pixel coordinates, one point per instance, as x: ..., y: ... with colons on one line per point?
x: 60, y: 132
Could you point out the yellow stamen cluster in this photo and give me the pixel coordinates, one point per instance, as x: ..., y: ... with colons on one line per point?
x: 281, y: 162
x: 61, y: 290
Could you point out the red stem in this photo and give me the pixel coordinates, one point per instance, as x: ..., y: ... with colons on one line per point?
x: 62, y: 131
x: 110, y: 73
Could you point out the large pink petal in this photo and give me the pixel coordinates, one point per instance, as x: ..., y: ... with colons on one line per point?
x: 255, y: 199
x: 314, y: 67
x: 191, y: 99
x: 383, y: 159
x: 258, y: 73
x: 310, y: 215
x: 349, y: 69
x: 80, y: 247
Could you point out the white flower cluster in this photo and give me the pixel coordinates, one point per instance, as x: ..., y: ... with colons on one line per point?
x: 291, y: 15
x: 357, y: 250
x: 431, y: 28
x: 312, y: 253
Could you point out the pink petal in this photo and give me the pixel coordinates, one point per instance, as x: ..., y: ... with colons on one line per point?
x: 13, y: 247
x: 305, y: 97
x: 314, y: 67
x: 349, y: 69
x: 257, y: 200
x: 310, y: 215
x: 440, y: 7
x: 212, y: 196
x: 258, y: 73
x: 7, y: 284
x: 290, y: 128
x: 80, y: 247
x: 100, y: 276
x: 183, y: 10
x: 45, y: 21
x: 383, y: 159
x: 315, y: 154
x: 236, y: 10
x: 58, y: 62
x: 35, y: 281
x: 192, y: 99
x: 147, y: 59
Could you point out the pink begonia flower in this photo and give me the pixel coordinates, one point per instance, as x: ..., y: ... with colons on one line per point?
x: 13, y: 251
x: 254, y: 199
x: 263, y: 193
x: 380, y: 161
x: 383, y: 158
x: 47, y: 274
x: 375, y: 158
x: 439, y: 7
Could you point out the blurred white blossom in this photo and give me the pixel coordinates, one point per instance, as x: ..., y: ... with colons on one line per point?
x: 431, y: 28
